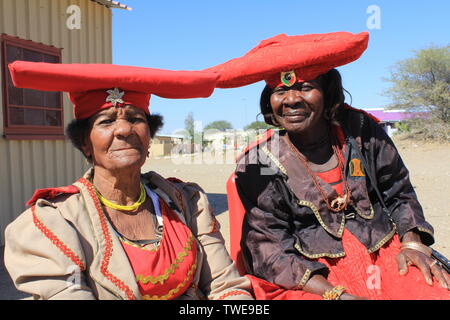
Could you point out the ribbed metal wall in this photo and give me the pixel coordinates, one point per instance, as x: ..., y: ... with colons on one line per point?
x: 26, y: 165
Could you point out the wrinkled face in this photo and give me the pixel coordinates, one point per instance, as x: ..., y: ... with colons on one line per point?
x: 298, y: 108
x: 119, y: 138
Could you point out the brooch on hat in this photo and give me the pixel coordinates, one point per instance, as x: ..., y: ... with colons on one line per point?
x: 288, y: 78
x: 115, y: 96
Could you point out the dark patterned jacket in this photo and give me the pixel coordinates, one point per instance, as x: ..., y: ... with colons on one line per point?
x: 287, y: 225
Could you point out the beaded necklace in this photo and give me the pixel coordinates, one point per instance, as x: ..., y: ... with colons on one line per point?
x: 134, y: 206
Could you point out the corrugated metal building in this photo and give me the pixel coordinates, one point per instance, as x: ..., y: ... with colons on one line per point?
x: 33, y: 151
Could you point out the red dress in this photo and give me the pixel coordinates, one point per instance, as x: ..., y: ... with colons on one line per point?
x: 167, y: 271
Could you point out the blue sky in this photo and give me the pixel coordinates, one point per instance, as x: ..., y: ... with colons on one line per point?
x: 197, y: 34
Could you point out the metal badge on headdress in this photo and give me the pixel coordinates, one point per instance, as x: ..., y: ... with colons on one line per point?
x: 288, y: 78
x: 115, y: 96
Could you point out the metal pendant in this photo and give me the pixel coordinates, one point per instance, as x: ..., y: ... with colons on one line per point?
x: 339, y: 204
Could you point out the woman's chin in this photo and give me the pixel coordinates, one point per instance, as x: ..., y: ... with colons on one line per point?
x: 306, y: 125
x: 126, y: 162
x: 295, y: 127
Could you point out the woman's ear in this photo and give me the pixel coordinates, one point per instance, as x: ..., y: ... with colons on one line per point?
x: 86, y: 152
x: 86, y: 148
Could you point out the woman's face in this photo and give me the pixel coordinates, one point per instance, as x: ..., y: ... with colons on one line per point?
x: 119, y: 138
x: 298, y: 108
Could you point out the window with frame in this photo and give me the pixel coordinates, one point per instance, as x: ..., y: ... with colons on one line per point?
x: 29, y: 114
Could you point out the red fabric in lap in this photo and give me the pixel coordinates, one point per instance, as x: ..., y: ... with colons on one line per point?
x: 374, y: 276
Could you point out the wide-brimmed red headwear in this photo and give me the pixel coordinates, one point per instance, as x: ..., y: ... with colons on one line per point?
x: 285, y: 60
x: 93, y: 87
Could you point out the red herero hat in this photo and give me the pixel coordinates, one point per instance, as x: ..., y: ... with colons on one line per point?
x: 284, y: 60
x: 93, y: 87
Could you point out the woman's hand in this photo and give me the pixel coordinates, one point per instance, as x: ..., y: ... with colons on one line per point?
x: 318, y: 284
x: 424, y: 262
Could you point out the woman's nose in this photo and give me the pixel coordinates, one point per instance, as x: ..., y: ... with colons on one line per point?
x: 293, y: 97
x: 123, y: 128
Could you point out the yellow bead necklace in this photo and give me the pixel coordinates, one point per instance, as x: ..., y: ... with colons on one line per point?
x: 115, y: 206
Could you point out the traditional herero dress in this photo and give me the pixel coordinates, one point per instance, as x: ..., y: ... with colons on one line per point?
x: 288, y: 234
x: 64, y: 247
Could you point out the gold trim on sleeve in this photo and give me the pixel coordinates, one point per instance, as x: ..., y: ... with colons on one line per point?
x: 383, y: 241
x: 431, y: 233
x: 304, y: 279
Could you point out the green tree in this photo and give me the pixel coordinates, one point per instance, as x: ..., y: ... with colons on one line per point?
x: 189, y: 125
x: 258, y: 125
x: 220, y: 125
x: 195, y: 137
x: 422, y: 83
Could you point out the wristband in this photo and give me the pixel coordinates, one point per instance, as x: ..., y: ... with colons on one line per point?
x: 417, y: 246
x: 333, y: 294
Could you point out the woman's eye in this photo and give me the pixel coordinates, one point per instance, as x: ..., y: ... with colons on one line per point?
x: 106, y: 121
x: 279, y: 92
x: 135, y: 120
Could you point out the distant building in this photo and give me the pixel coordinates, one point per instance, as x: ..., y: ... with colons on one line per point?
x: 162, y: 145
x: 229, y: 139
x: 34, y: 152
x: 388, y: 118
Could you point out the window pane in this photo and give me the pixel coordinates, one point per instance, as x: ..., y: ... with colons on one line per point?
x: 29, y: 55
x: 16, y: 116
x: 25, y: 115
x: 53, y: 118
x: 34, y: 98
x: 13, y: 53
x: 34, y: 117
x: 50, y: 59
x: 15, y: 96
x: 53, y: 99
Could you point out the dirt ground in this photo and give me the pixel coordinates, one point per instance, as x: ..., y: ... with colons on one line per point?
x: 429, y: 166
x: 428, y: 163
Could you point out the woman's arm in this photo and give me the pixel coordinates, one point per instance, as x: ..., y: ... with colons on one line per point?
x: 44, y: 257
x: 395, y: 186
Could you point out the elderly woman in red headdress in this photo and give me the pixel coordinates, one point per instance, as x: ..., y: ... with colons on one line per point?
x: 325, y: 202
x: 116, y: 233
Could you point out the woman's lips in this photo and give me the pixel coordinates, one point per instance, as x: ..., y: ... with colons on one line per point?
x: 126, y: 148
x: 295, y: 116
